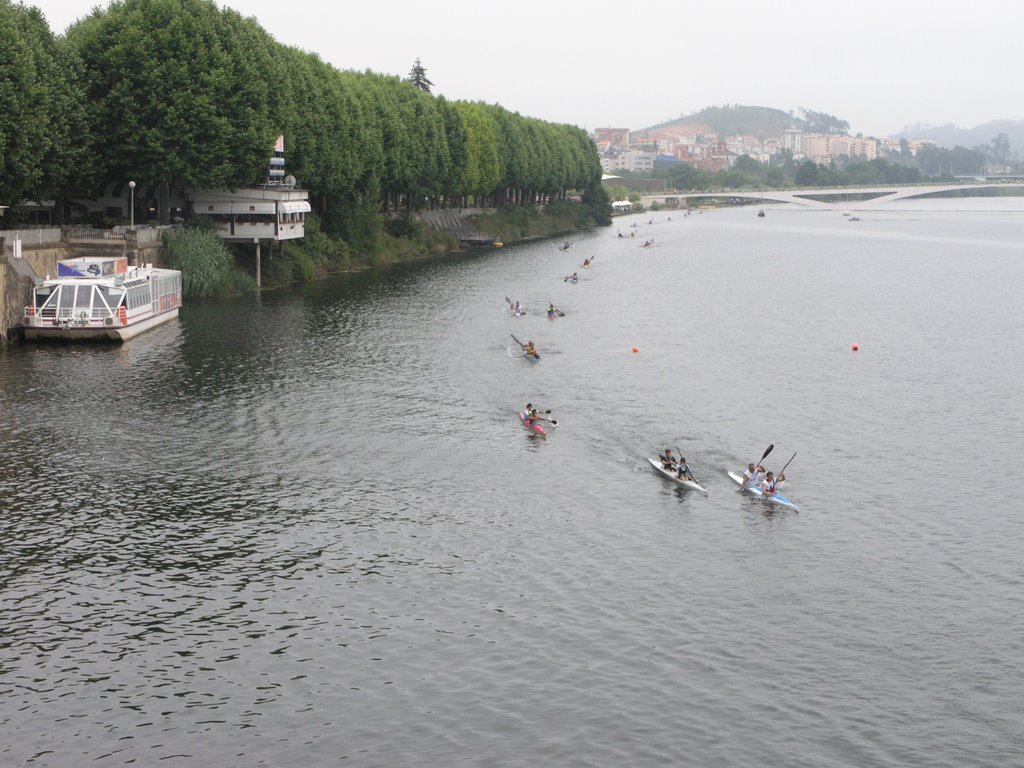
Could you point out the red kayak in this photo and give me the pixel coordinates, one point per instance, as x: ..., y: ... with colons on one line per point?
x: 533, y: 426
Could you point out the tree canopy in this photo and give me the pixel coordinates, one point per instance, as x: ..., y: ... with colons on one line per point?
x: 180, y: 94
x: 40, y: 113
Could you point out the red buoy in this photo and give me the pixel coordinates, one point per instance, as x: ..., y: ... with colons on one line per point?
x: 855, y: 347
x: 635, y: 349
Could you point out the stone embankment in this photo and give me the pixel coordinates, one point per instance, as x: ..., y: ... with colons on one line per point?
x: 456, y: 222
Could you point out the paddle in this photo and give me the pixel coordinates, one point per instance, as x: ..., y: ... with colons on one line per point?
x: 688, y: 472
x: 523, y: 346
x: 781, y: 472
x: 767, y: 450
x: 787, y: 463
x: 552, y: 422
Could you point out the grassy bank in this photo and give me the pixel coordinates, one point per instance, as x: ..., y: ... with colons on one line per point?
x: 210, y: 267
x: 517, y: 223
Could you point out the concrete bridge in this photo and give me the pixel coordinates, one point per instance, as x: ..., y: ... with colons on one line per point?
x: 831, y: 199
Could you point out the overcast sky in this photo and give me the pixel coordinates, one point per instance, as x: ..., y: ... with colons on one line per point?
x: 879, y: 64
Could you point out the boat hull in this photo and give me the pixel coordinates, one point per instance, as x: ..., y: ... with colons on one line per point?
x: 669, y: 475
x: 536, y: 428
x: 71, y: 332
x: 769, y: 498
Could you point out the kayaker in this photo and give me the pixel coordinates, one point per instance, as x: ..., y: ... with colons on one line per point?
x: 586, y: 262
x: 771, y: 483
x: 668, y: 461
x: 753, y: 475
x: 530, y: 350
x: 533, y: 415
x: 683, y: 471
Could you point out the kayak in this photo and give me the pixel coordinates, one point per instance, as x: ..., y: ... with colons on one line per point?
x: 552, y: 314
x: 670, y: 475
x: 535, y: 427
x: 771, y: 498
x: 532, y: 358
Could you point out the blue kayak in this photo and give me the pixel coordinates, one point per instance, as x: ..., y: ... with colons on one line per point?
x: 771, y: 498
x: 532, y: 358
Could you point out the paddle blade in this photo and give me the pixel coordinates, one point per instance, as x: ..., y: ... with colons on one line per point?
x: 769, y: 450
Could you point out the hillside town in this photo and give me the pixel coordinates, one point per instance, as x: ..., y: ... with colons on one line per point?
x: 651, y: 150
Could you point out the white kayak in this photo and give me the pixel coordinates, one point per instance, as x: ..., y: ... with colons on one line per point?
x: 669, y: 474
x: 755, y: 490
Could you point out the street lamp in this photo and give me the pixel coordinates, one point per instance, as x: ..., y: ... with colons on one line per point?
x: 131, y: 189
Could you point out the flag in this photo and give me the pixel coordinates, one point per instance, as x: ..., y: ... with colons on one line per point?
x: 279, y: 144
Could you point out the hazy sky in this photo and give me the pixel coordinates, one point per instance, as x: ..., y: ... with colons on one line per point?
x: 879, y: 64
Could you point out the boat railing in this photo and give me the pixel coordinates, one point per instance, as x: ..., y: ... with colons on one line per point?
x: 71, y: 315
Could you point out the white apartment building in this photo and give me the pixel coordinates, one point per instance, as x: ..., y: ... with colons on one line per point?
x: 628, y: 161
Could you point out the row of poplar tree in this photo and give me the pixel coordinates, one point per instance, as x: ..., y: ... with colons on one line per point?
x: 181, y: 93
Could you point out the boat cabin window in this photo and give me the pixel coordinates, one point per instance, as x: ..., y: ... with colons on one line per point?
x: 138, y: 294
x: 41, y: 295
x: 67, y: 296
x: 109, y: 296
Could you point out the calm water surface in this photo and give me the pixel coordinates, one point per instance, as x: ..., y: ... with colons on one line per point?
x: 307, y: 528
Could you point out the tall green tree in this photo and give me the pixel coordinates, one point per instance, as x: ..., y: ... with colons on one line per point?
x: 483, y: 165
x: 37, y: 106
x: 179, y: 93
x: 457, y: 139
x: 418, y: 77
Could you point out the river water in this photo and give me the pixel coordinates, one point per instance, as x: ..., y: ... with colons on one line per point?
x: 306, y: 528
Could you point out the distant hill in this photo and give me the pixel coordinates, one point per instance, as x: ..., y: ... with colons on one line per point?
x: 950, y: 136
x: 766, y: 122
x: 728, y: 120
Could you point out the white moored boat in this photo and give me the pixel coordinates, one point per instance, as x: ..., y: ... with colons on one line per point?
x: 102, y: 299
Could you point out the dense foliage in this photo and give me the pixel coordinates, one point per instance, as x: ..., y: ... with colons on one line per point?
x: 207, y: 266
x: 182, y: 94
x: 739, y: 120
x: 40, y: 109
